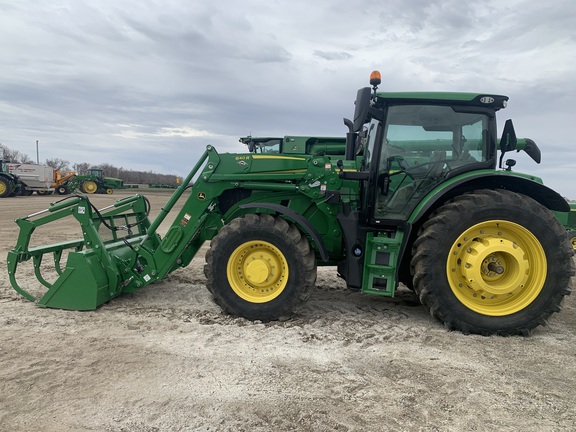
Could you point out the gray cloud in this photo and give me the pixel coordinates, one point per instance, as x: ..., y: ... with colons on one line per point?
x: 333, y: 55
x: 148, y: 84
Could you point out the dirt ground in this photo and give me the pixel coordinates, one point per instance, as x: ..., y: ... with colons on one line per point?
x: 166, y: 359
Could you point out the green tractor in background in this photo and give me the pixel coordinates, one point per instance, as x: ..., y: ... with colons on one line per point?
x: 10, y: 185
x: 335, y: 146
x: 422, y: 195
x: 90, y: 183
x: 569, y: 221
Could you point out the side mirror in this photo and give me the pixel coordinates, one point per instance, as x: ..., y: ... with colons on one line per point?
x: 508, y: 141
x: 363, y: 98
x: 531, y: 148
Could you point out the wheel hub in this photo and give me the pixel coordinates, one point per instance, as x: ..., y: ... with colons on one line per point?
x: 90, y: 187
x: 496, y: 268
x: 257, y: 271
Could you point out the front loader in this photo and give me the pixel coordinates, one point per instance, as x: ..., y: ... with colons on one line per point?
x: 421, y: 196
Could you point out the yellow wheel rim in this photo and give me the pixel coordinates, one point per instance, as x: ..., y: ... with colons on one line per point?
x: 3, y: 188
x: 109, y: 191
x: 257, y: 271
x: 572, y: 239
x: 90, y: 187
x: 496, y: 268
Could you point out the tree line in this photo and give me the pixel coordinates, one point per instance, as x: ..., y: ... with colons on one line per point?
x: 129, y: 176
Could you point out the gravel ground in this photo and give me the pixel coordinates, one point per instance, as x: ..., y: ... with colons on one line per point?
x: 167, y: 359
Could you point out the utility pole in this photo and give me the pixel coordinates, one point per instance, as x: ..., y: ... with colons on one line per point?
x: 37, y: 154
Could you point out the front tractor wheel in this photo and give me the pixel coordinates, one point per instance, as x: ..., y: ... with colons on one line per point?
x: 260, y: 267
x: 492, y: 262
x: 62, y: 190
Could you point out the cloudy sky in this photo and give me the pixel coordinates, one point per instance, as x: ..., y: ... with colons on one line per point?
x: 147, y: 84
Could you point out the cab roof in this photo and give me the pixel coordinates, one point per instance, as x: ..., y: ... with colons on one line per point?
x: 485, y: 100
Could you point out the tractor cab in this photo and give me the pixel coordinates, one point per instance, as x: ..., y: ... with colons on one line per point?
x: 417, y: 145
x: 416, y: 141
x: 96, y: 172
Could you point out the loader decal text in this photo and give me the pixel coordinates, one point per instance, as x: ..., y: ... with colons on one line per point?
x: 185, y: 220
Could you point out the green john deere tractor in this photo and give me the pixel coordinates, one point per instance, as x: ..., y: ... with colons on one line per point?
x: 90, y: 183
x: 422, y: 195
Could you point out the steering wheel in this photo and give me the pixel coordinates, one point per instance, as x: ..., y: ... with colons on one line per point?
x: 435, y: 168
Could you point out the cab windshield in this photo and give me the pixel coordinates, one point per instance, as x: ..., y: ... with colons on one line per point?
x: 421, y: 144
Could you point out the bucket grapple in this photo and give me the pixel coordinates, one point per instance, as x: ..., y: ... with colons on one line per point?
x: 93, y: 271
x: 119, y: 251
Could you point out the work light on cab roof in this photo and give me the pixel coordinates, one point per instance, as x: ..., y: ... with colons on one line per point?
x: 375, y: 79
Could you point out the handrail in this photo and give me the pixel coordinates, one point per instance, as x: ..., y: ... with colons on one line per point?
x: 176, y: 196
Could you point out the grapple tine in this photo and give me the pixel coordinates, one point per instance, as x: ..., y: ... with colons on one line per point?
x: 37, y: 262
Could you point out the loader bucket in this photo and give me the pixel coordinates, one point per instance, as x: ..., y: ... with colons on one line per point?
x: 95, y: 263
x: 82, y: 286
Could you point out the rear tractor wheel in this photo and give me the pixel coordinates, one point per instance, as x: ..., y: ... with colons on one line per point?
x: 260, y: 267
x: 89, y: 187
x: 492, y: 262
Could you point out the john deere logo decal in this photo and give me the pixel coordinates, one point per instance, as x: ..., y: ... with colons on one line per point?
x: 201, y: 196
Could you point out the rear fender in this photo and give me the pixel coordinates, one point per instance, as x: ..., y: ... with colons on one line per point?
x: 499, y: 180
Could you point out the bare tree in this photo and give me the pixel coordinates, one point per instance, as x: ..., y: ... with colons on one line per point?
x: 108, y: 170
x: 58, y: 164
x: 81, y: 168
x: 10, y: 155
